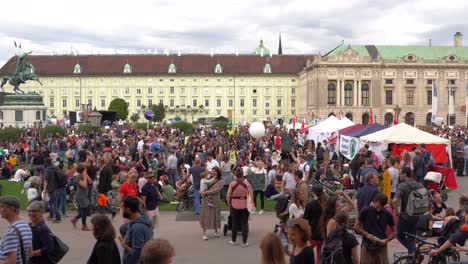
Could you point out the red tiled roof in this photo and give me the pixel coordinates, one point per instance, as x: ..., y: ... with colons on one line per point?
x: 158, y: 64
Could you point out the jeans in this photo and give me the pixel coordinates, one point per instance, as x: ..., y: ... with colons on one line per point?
x: 53, y: 205
x: 197, y: 200
x: 240, y: 222
x: 83, y: 214
x: 171, y: 174
x: 262, y: 198
x: 460, y: 166
x: 407, y: 224
x: 62, y: 199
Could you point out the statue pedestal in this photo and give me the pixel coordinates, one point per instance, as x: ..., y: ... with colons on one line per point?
x: 22, y: 110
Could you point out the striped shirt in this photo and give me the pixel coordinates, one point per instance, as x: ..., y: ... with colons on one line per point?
x: 10, y: 241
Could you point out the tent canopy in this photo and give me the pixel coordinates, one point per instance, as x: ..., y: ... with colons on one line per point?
x: 290, y: 126
x: 404, y: 134
x: 329, y: 125
x: 369, y: 129
x: 350, y: 128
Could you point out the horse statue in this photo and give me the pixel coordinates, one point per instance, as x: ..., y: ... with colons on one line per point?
x: 24, y: 72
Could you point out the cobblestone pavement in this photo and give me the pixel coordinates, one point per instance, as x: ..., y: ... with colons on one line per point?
x: 186, y: 236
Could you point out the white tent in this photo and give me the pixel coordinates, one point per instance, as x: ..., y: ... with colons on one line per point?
x: 329, y: 125
x: 405, y: 134
x: 298, y: 126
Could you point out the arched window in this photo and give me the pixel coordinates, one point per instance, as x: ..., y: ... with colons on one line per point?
x: 429, y: 119
x: 172, y: 68
x: 365, y: 119
x: 348, y: 90
x: 127, y: 68
x: 331, y: 94
x: 409, y: 119
x: 267, y: 68
x: 349, y: 116
x: 365, y: 94
x: 77, y: 69
x: 388, y: 119
x: 218, y: 68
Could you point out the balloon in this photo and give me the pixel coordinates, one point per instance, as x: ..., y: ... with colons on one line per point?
x: 149, y: 115
x: 257, y: 130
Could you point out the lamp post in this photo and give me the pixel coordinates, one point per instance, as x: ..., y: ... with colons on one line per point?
x: 95, y: 120
x: 397, y: 112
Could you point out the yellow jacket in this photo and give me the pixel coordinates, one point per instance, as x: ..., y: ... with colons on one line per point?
x: 387, y: 185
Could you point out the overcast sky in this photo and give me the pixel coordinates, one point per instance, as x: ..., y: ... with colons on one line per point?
x: 306, y: 26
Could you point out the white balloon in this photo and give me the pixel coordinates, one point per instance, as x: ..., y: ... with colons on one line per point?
x: 257, y: 130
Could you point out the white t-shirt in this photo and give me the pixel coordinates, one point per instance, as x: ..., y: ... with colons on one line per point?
x: 19, y: 174
x: 305, y: 168
x: 140, y: 145
x: 141, y: 182
x: 32, y: 193
x: 394, y: 175
x: 290, y: 183
x: 295, y: 212
x: 211, y: 164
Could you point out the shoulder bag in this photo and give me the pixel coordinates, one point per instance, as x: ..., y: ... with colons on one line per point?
x: 20, y: 238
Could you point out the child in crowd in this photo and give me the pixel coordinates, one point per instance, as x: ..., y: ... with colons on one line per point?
x: 205, y: 185
x: 32, y: 193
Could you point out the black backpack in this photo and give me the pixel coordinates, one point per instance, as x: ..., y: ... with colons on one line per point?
x: 449, y: 229
x: 281, y: 206
x: 62, y: 178
x: 332, y: 249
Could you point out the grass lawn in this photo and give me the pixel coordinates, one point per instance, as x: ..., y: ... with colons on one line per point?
x: 14, y: 188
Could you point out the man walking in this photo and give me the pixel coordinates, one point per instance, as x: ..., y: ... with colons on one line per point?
x: 406, y: 223
x: 195, y: 171
x: 51, y: 183
x: 367, y: 193
x: 16, y: 243
x: 172, y: 167
x: 139, y: 230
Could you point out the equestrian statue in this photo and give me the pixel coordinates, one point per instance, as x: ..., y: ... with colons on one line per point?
x: 24, y: 72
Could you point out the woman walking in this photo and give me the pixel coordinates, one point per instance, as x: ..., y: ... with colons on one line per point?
x: 210, y: 217
x: 128, y: 188
x: 237, y: 202
x: 82, y: 197
x: 105, y: 249
x: 42, y: 242
x: 227, y: 176
x: 299, y: 233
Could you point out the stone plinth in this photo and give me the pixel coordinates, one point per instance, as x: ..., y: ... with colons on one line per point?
x: 22, y: 110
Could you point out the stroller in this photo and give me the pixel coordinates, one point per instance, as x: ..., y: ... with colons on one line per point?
x: 187, y: 201
x: 435, y: 181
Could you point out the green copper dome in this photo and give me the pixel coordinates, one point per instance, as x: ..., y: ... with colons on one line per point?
x: 172, y: 68
x: 262, y: 50
x: 127, y: 68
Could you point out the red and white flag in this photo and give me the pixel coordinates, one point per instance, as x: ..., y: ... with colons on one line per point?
x: 303, y: 124
x: 395, y: 120
x: 294, y: 121
x: 371, y: 117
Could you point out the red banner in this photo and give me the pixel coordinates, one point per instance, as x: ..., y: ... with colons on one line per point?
x: 437, y: 150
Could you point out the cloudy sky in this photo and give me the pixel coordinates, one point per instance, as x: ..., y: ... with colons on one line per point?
x: 306, y: 26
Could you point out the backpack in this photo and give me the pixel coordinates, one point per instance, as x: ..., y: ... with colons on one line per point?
x: 449, y: 229
x: 332, y: 249
x: 418, y: 201
x: 62, y: 178
x: 281, y: 206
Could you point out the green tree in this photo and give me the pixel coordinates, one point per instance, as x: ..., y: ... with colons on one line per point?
x: 222, y: 125
x: 134, y: 118
x: 87, y: 128
x: 120, y: 106
x: 183, y: 127
x: 53, y: 130
x: 159, y: 111
x: 10, y: 134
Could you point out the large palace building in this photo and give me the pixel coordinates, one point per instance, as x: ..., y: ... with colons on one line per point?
x: 348, y: 80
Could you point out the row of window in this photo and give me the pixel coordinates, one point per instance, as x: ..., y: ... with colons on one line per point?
x: 348, y: 94
x: 411, y: 82
x: 194, y: 80
x: 19, y: 115
x: 172, y: 102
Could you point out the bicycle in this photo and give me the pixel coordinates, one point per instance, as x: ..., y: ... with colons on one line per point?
x: 187, y: 202
x: 449, y: 255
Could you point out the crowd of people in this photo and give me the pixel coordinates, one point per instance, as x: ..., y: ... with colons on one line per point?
x: 323, y: 202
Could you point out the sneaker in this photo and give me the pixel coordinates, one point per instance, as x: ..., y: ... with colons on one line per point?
x: 204, y: 237
x: 232, y: 243
x: 85, y: 228
x: 260, y: 212
x: 216, y: 234
x: 57, y: 221
x: 245, y: 245
x: 253, y: 212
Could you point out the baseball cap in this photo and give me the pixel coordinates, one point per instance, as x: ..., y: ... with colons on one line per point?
x: 10, y: 201
x: 317, y: 188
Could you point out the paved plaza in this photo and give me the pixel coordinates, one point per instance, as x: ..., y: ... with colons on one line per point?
x: 186, y: 236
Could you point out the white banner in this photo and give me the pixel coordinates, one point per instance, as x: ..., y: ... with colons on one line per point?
x: 349, y: 146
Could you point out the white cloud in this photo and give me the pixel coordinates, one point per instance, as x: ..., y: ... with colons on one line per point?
x: 306, y: 26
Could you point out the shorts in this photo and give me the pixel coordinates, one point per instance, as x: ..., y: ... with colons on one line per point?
x: 154, y: 216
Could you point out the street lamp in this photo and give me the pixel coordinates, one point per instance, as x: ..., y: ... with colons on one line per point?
x: 95, y: 120
x: 397, y: 111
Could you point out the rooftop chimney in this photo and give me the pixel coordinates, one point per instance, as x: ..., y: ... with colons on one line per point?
x: 458, y: 39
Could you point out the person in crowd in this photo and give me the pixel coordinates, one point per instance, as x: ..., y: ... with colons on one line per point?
x: 272, y: 251
x: 301, y: 185
x: 288, y: 184
x: 369, y: 167
x: 128, y: 188
x: 138, y: 231
x: 350, y: 243
x: 296, y: 207
x: 332, y: 206
x: 10, y: 244
x: 226, y: 167
x: 313, y: 213
x: 42, y: 241
x: 210, y: 217
x: 271, y: 192
x: 439, y: 207
x: 157, y: 251
x: 298, y: 234
x: 462, y: 203
x: 460, y: 156
x: 458, y: 238
x: 172, y: 166
x: 237, y: 194
x: 372, y: 223
x: 82, y: 181
x: 425, y: 222
x: 21, y: 174
x: 367, y: 193
x: 428, y: 159
x: 258, y: 180
x: 195, y: 171
x: 105, y: 249
x: 52, y: 189
x: 150, y: 196
x: 418, y: 165
x: 105, y: 184
x: 406, y: 223
x: 91, y: 171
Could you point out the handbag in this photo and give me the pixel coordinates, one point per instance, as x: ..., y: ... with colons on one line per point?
x: 60, y: 249
x: 250, y: 204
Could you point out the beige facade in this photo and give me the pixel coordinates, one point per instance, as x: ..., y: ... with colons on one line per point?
x: 351, y: 81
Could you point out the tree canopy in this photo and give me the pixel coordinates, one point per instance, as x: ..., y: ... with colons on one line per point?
x: 159, y: 112
x: 120, y: 106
